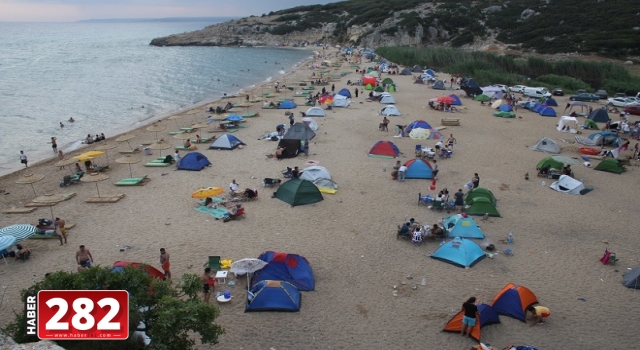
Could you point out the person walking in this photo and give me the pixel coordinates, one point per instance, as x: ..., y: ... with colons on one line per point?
x: 401, y: 171
x: 61, y: 230
x: 459, y: 200
x: 356, y: 92
x: 469, y: 319
x: 23, y: 159
x: 54, y: 145
x: 83, y: 255
x: 61, y: 157
x: 165, y: 263
x: 436, y: 169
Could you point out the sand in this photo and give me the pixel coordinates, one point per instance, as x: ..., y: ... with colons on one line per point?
x: 350, y: 237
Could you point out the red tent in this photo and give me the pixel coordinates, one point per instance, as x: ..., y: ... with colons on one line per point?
x: 152, y: 271
x: 384, y: 149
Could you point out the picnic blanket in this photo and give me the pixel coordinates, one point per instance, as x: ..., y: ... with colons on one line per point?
x: 585, y: 141
x: 218, y: 213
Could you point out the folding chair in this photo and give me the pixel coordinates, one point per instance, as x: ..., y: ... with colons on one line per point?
x: 423, y: 199
x: 418, y: 151
x: 213, y: 263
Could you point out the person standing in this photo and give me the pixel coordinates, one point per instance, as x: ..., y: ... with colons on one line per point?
x: 356, y: 92
x: 469, y: 319
x: 291, y: 119
x: 333, y: 88
x: 165, y: 263
x: 459, y: 200
x: 385, y: 124
x: 207, y: 284
x: 54, y: 145
x: 84, y: 256
x: 23, y: 159
x: 60, y: 157
x: 61, y: 230
x: 475, y: 180
x: 538, y: 313
x: 401, y: 172
x: 435, y: 169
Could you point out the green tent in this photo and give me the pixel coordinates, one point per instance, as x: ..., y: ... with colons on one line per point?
x: 392, y: 88
x: 387, y: 81
x: 557, y: 162
x: 298, y: 192
x: 378, y: 89
x: 590, y: 124
x: 482, y: 98
x: 611, y: 165
x: 481, y: 206
x: 480, y: 192
x: 368, y: 87
x: 505, y: 114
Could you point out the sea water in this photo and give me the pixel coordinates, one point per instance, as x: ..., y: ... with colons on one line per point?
x: 108, y: 78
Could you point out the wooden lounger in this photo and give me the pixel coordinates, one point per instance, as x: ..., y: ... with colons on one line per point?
x: 204, y: 139
x: 250, y: 115
x: 23, y: 210
x: 450, y: 121
x: 108, y: 198
x: 135, y: 150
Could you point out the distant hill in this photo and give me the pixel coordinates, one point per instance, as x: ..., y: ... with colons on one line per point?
x: 603, y: 27
x: 169, y: 19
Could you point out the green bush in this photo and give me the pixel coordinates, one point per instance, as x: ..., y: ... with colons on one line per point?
x: 567, y: 83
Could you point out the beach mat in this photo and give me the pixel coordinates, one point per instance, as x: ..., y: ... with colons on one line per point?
x: 53, y: 236
x: 106, y: 198
x: 23, y: 210
x: 217, y: 213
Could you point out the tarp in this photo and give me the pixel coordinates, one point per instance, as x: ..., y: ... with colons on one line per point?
x: 390, y: 110
x: 345, y: 92
x: 438, y: 85
x: 385, y: 149
x: 455, y: 100
x: 460, y: 252
x: 298, y: 192
x: 513, y: 301
x: 193, y: 161
x: 547, y: 145
x: 315, y: 172
x: 606, y: 138
x: 566, y: 121
x: 387, y: 99
x: 150, y: 270
x: 406, y: 71
x: 485, y: 316
x: 292, y: 268
x: 287, y: 104
x: 418, y: 124
x: 567, y: 184
x: 505, y: 108
x: 273, y: 296
x: 550, y: 102
x: 465, y: 227
x: 291, y: 148
x: 418, y: 169
x: 316, y: 112
x: 482, y: 206
x: 311, y: 123
x: 599, y: 115
x: 299, y: 131
x: 480, y: 192
x: 611, y: 165
x: 547, y: 112
x: 631, y: 278
x: 226, y: 142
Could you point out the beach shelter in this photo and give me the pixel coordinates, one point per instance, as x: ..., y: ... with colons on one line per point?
x: 471, y: 88
x: 406, y: 71
x: 550, y: 102
x: 631, y: 279
x: 460, y: 252
x: 194, y: 161
x: 420, y: 134
x: 438, y: 85
x: 480, y: 192
x: 455, y: 100
x: 386, y: 98
x: 547, y: 145
x: 369, y: 80
x: 345, y: 92
x: 505, y: 108
x: 316, y: 112
x: 599, y: 115
x: 292, y: 268
x: 481, y: 206
x: 485, y: 316
x: 311, y: 123
x: 611, y: 165
x: 606, y: 138
x: 384, y: 149
x: 287, y: 104
x: 418, y: 124
x: 150, y: 270
x: 340, y: 101
x: 504, y: 114
x: 273, y: 296
x: 590, y: 125
x: 418, y: 169
x: 547, y: 112
x: 315, y: 172
x: 298, y: 192
x: 556, y: 162
x: 390, y: 110
x: 299, y: 131
x: 465, y: 227
x: 567, y: 122
x: 577, y: 104
x: 226, y: 142
x: 513, y: 301
x: 291, y: 148
x: 416, y: 69
x: 482, y: 98
x: 567, y: 184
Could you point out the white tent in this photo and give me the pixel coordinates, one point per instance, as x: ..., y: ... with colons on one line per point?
x: 577, y: 105
x: 316, y: 112
x: 546, y: 144
x: 491, y: 91
x: 569, y: 124
x: 386, y: 98
x: 340, y: 101
x: 390, y: 110
x: 567, y: 184
x: 315, y: 172
x: 312, y: 123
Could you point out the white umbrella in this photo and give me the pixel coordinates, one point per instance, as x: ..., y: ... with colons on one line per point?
x: 247, y: 266
x: 20, y: 232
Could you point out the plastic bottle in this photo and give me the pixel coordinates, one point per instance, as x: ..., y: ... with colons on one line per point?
x: 543, y: 183
x: 424, y: 281
x: 510, y: 239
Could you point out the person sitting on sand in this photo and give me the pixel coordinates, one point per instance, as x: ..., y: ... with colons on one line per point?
x: 208, y: 202
x: 82, y: 266
x: 88, y: 140
x: 22, y: 252
x: 416, y: 237
x: 404, y: 229
x: 435, y: 232
x: 279, y: 152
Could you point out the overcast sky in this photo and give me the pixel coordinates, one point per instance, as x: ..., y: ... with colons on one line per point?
x: 73, y: 10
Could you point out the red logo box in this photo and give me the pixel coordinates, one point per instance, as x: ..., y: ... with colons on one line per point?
x: 83, y: 314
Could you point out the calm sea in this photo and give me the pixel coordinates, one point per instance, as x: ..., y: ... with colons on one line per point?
x: 102, y: 74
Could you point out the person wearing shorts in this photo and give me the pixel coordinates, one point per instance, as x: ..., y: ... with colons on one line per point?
x: 165, y: 263
x: 207, y: 284
x: 538, y: 314
x: 469, y: 319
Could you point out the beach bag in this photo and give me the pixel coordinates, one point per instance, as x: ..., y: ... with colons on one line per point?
x: 45, y: 222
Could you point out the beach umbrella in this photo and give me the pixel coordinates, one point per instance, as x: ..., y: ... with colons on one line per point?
x: 419, y: 133
x: 19, y: 232
x: 126, y: 138
x: 160, y: 145
x: 175, y: 119
x: 106, y: 149
x: 234, y: 118
x: 89, y: 155
x: 247, y: 266
x: 6, y: 242
x: 156, y: 128
x: 207, y: 192
x: 128, y: 160
x: 193, y: 112
x: 29, y: 178
x: 49, y: 200
x: 66, y: 162
x: 95, y: 177
x: 327, y: 100
x: 183, y: 136
x: 445, y: 99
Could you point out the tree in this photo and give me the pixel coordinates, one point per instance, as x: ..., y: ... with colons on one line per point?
x: 169, y: 314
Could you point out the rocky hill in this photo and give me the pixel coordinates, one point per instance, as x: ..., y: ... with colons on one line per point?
x: 603, y: 27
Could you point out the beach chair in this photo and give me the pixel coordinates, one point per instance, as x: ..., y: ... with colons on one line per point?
x: 213, y: 263
x: 418, y: 151
x: 437, y: 205
x: 426, y: 199
x: 608, y: 258
x: 132, y: 181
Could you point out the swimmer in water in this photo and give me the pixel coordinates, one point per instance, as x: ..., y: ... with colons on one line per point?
x: 61, y: 125
x: 71, y: 120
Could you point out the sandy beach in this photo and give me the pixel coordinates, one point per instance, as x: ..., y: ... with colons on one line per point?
x: 350, y: 237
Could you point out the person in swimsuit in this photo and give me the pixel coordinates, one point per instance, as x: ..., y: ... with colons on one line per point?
x: 469, y: 319
x: 207, y: 284
x: 538, y: 313
x: 165, y: 263
x: 84, y: 256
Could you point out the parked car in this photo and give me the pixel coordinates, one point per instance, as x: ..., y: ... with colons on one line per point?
x: 536, y: 92
x: 633, y: 100
x: 620, y: 94
x: 504, y: 88
x: 557, y: 92
x: 517, y: 88
x: 635, y: 110
x: 603, y: 94
x: 585, y: 97
x: 620, y: 102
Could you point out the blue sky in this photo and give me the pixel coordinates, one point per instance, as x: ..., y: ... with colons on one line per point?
x: 73, y: 10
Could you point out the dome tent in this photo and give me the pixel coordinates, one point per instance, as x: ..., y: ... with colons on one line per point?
x: 316, y: 112
x: 460, y: 252
x: 292, y: 268
x: 418, y: 124
x: 298, y: 192
x: 226, y: 142
x: 546, y: 144
x: 384, y: 149
x: 287, y: 104
x: 390, y: 110
x: 315, y: 172
x: 513, y: 301
x: 193, y: 161
x: 418, y: 169
x: 486, y: 316
x: 271, y: 295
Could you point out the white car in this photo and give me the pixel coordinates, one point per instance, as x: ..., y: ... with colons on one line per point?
x: 504, y: 88
x: 621, y: 102
x: 517, y: 88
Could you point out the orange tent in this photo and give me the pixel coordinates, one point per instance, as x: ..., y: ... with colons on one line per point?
x: 484, y: 317
x: 513, y: 301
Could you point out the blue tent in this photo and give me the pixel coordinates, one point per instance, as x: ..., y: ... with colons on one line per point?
x: 513, y: 301
x: 291, y: 268
x: 505, y: 108
x: 418, y: 124
x: 460, y: 252
x: 550, y: 102
x: 345, y: 92
x: 465, y: 228
x: 227, y: 142
x: 531, y: 105
x: 485, y: 316
x: 606, y: 138
x: 418, y: 169
x: 456, y: 100
x: 547, y: 112
x: 193, y: 161
x: 430, y: 72
x: 288, y: 104
x: 273, y: 296
x: 538, y: 108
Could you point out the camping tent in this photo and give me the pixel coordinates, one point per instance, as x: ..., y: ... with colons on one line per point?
x: 316, y: 112
x: 379, y: 89
x: 383, y: 149
x: 438, y: 85
x: 291, y: 148
x: 480, y: 192
x: 504, y: 114
x: 418, y: 169
x: 482, y: 98
x: 577, y: 104
x: 465, y: 227
x: 311, y: 123
x: 485, y: 316
x: 287, y: 104
x: 460, y: 252
x: 471, y: 88
x: 556, y: 162
x: 599, y: 115
x: 481, y: 206
x: 298, y: 192
x: 538, y: 108
x: 611, y: 165
x: 567, y: 184
x: 418, y: 124
x: 418, y: 80
x: 546, y: 144
x: 606, y: 138
x: 513, y: 301
x: 340, y: 101
x: 273, y: 296
x: 430, y: 72
x: 315, y: 172
x: 406, y: 71
x: 550, y: 102
x: 345, y: 92
x: 193, y: 161
x: 456, y: 100
x: 492, y: 91
x: 567, y: 122
x: 368, y: 87
x: 226, y: 142
x: 291, y: 268
x: 590, y: 125
x: 324, y: 184
x: 416, y: 69
x: 631, y: 278
x: 386, y: 98
x: 150, y: 270
x: 435, y: 135
x: 505, y: 108
x: 420, y: 134
x: 299, y: 131
x: 390, y: 110
x: 547, y: 112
